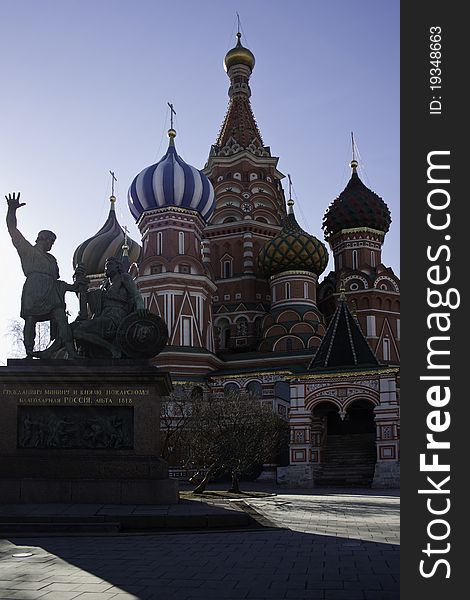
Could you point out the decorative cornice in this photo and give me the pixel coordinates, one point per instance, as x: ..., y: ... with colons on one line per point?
x: 340, y: 375
x: 356, y: 230
x: 280, y: 276
x: 249, y: 374
x: 170, y: 209
x: 228, y: 161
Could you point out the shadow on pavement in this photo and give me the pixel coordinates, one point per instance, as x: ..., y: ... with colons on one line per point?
x: 256, y: 565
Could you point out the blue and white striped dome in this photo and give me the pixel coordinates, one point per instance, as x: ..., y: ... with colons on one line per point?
x: 171, y: 182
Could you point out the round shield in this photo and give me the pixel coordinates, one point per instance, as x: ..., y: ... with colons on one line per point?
x: 142, y: 335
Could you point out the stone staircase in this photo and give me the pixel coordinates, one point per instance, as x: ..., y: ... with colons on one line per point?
x: 348, y: 461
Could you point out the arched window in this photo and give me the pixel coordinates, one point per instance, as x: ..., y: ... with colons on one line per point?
x: 224, y: 333
x: 226, y: 267
x: 159, y: 243
x: 305, y: 289
x: 282, y: 390
x: 255, y: 388
x: 242, y: 327
x: 230, y: 388
x: 372, y: 258
x: 258, y: 322
x: 181, y: 242
x: 287, y: 291
x: 196, y: 394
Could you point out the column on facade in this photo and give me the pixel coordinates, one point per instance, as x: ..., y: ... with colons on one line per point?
x: 300, y: 419
x: 248, y: 265
x: 387, y: 419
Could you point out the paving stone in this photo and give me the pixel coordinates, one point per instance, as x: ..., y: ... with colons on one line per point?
x: 329, y: 549
x: 60, y: 595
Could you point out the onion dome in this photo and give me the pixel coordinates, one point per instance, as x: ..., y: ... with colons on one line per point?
x: 292, y: 249
x: 111, y: 240
x: 356, y: 206
x: 239, y: 55
x: 171, y: 182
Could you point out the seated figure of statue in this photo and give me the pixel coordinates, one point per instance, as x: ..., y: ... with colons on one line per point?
x: 119, y: 324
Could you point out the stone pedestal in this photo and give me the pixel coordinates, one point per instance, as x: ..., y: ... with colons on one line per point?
x: 84, y: 431
x: 387, y: 474
x: 269, y: 473
x: 296, y: 476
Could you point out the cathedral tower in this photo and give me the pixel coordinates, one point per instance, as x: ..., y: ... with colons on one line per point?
x: 292, y: 261
x: 249, y: 208
x: 171, y: 201
x: 355, y: 225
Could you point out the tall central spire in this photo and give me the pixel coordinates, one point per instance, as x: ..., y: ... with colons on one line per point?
x: 239, y: 130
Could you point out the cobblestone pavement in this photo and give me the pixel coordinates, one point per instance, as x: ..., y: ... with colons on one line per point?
x: 333, y: 547
x: 373, y: 516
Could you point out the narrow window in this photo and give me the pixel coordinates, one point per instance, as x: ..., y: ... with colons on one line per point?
x: 386, y: 349
x: 372, y: 258
x: 354, y: 259
x: 305, y: 289
x: 398, y: 329
x: 186, y: 332
x: 181, y: 242
x: 159, y: 243
x: 371, y: 330
x: 227, y: 269
x: 287, y: 291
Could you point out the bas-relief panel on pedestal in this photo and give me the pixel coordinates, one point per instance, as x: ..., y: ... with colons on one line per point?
x: 91, y: 427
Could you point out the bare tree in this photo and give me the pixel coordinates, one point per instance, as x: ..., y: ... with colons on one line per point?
x: 235, y: 433
x: 175, y: 416
x: 15, y: 334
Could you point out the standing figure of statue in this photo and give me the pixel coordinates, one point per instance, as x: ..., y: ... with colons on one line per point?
x: 43, y: 297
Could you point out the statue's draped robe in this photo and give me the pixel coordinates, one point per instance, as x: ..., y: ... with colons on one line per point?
x: 42, y: 292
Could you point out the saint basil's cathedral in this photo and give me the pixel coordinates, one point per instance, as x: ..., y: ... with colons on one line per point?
x: 224, y: 262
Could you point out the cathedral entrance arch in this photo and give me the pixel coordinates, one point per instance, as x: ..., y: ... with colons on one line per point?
x: 345, y: 437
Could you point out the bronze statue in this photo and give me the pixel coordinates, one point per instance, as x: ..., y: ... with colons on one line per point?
x: 119, y: 325
x: 43, y: 297
x: 112, y: 321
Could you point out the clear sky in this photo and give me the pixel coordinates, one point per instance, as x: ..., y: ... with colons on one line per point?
x: 85, y: 86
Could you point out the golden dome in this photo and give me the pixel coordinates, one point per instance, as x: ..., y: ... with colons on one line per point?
x: 239, y: 56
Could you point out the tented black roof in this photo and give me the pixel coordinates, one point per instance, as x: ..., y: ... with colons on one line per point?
x: 344, y: 344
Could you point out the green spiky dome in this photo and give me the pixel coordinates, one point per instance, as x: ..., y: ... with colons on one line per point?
x: 293, y: 249
x: 356, y: 206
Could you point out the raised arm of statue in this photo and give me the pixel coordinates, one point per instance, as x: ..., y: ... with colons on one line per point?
x: 13, y: 201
